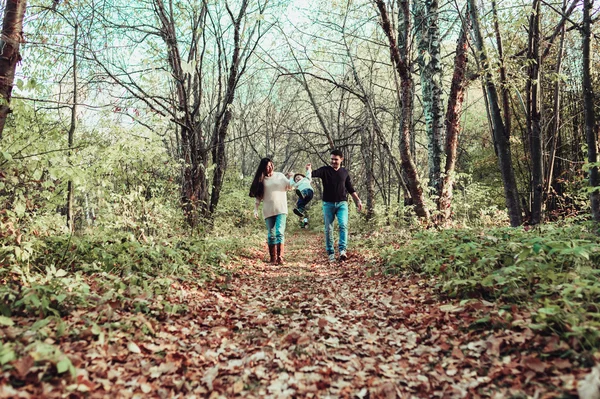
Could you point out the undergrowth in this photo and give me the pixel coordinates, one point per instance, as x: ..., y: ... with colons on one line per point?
x: 52, y: 275
x: 552, y: 269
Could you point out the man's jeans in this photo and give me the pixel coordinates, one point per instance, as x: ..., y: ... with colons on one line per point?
x: 331, y: 210
x: 276, y: 229
x: 307, y: 195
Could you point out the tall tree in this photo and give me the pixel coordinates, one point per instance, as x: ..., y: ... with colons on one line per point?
x: 399, y: 52
x: 534, y: 127
x: 430, y: 64
x: 201, y: 52
x: 591, y: 129
x: 453, y: 112
x: 71, y: 136
x: 501, y: 138
x: 556, y: 110
x: 12, y: 37
x: 224, y: 116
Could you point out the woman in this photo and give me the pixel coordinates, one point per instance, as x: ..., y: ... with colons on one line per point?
x: 270, y: 188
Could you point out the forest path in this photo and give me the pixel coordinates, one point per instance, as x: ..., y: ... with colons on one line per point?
x: 303, y: 329
x: 313, y: 329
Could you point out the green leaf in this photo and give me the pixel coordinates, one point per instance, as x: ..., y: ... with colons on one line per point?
x: 35, y: 301
x: 64, y: 365
x: 6, y: 155
x: 61, y: 273
x: 19, y: 209
x: 549, y: 310
x: 7, y: 355
x: 6, y: 321
x: 534, y: 326
x: 40, y: 324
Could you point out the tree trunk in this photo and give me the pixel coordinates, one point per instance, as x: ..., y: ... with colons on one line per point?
x: 222, y: 123
x: 194, y: 188
x: 429, y: 59
x: 455, y: 102
x: 591, y: 133
x: 556, y: 112
x: 398, y: 55
x: 12, y: 37
x: 503, y: 76
x: 534, y: 127
x: 367, y: 149
x: 501, y: 138
x: 70, y: 188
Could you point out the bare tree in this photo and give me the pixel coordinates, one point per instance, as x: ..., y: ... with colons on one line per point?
x: 534, y: 127
x: 399, y: 56
x: 501, y: 138
x: 207, y: 46
x: 454, y: 110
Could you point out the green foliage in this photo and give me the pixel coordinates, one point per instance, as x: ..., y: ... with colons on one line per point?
x: 51, y: 280
x: 552, y: 268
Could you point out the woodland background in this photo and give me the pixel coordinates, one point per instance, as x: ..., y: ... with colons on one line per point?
x: 130, y: 132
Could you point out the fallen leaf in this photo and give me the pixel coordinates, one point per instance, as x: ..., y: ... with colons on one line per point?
x: 534, y: 364
x: 133, y: 348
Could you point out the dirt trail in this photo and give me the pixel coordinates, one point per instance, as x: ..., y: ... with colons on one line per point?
x: 312, y: 329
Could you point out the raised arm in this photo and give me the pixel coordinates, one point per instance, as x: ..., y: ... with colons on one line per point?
x: 313, y: 173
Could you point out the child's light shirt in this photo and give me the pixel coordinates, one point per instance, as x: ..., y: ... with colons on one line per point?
x: 302, y: 184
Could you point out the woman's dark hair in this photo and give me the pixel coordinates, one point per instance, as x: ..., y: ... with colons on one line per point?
x: 257, y: 189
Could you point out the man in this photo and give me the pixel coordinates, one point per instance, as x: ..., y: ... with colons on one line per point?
x: 336, y: 187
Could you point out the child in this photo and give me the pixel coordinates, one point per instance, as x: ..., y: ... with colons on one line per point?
x: 305, y: 193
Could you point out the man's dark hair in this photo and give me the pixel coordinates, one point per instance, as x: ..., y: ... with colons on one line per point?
x: 337, y: 153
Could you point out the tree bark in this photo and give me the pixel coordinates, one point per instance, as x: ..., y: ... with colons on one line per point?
x: 454, y: 110
x: 591, y: 130
x: 501, y: 138
x: 71, y: 135
x: 10, y: 41
x: 194, y: 188
x: 503, y: 76
x: 429, y: 59
x: 367, y: 149
x: 399, y: 55
x: 222, y: 124
x: 556, y: 112
x: 534, y: 127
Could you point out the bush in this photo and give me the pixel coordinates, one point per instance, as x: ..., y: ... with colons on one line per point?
x: 552, y: 268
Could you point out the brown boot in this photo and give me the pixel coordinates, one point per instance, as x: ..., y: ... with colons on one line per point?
x: 272, y: 253
x: 280, y: 254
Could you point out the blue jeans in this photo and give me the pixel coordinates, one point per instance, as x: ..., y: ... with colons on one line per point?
x: 307, y: 195
x: 276, y: 229
x: 331, y: 210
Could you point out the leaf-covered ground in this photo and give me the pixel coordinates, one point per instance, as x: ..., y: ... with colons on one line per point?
x: 304, y: 329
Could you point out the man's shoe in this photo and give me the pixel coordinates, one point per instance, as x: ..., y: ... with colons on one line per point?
x: 343, y: 256
x: 297, y: 212
x: 331, y: 258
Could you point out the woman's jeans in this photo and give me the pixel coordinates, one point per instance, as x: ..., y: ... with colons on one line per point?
x: 331, y: 210
x: 276, y: 229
